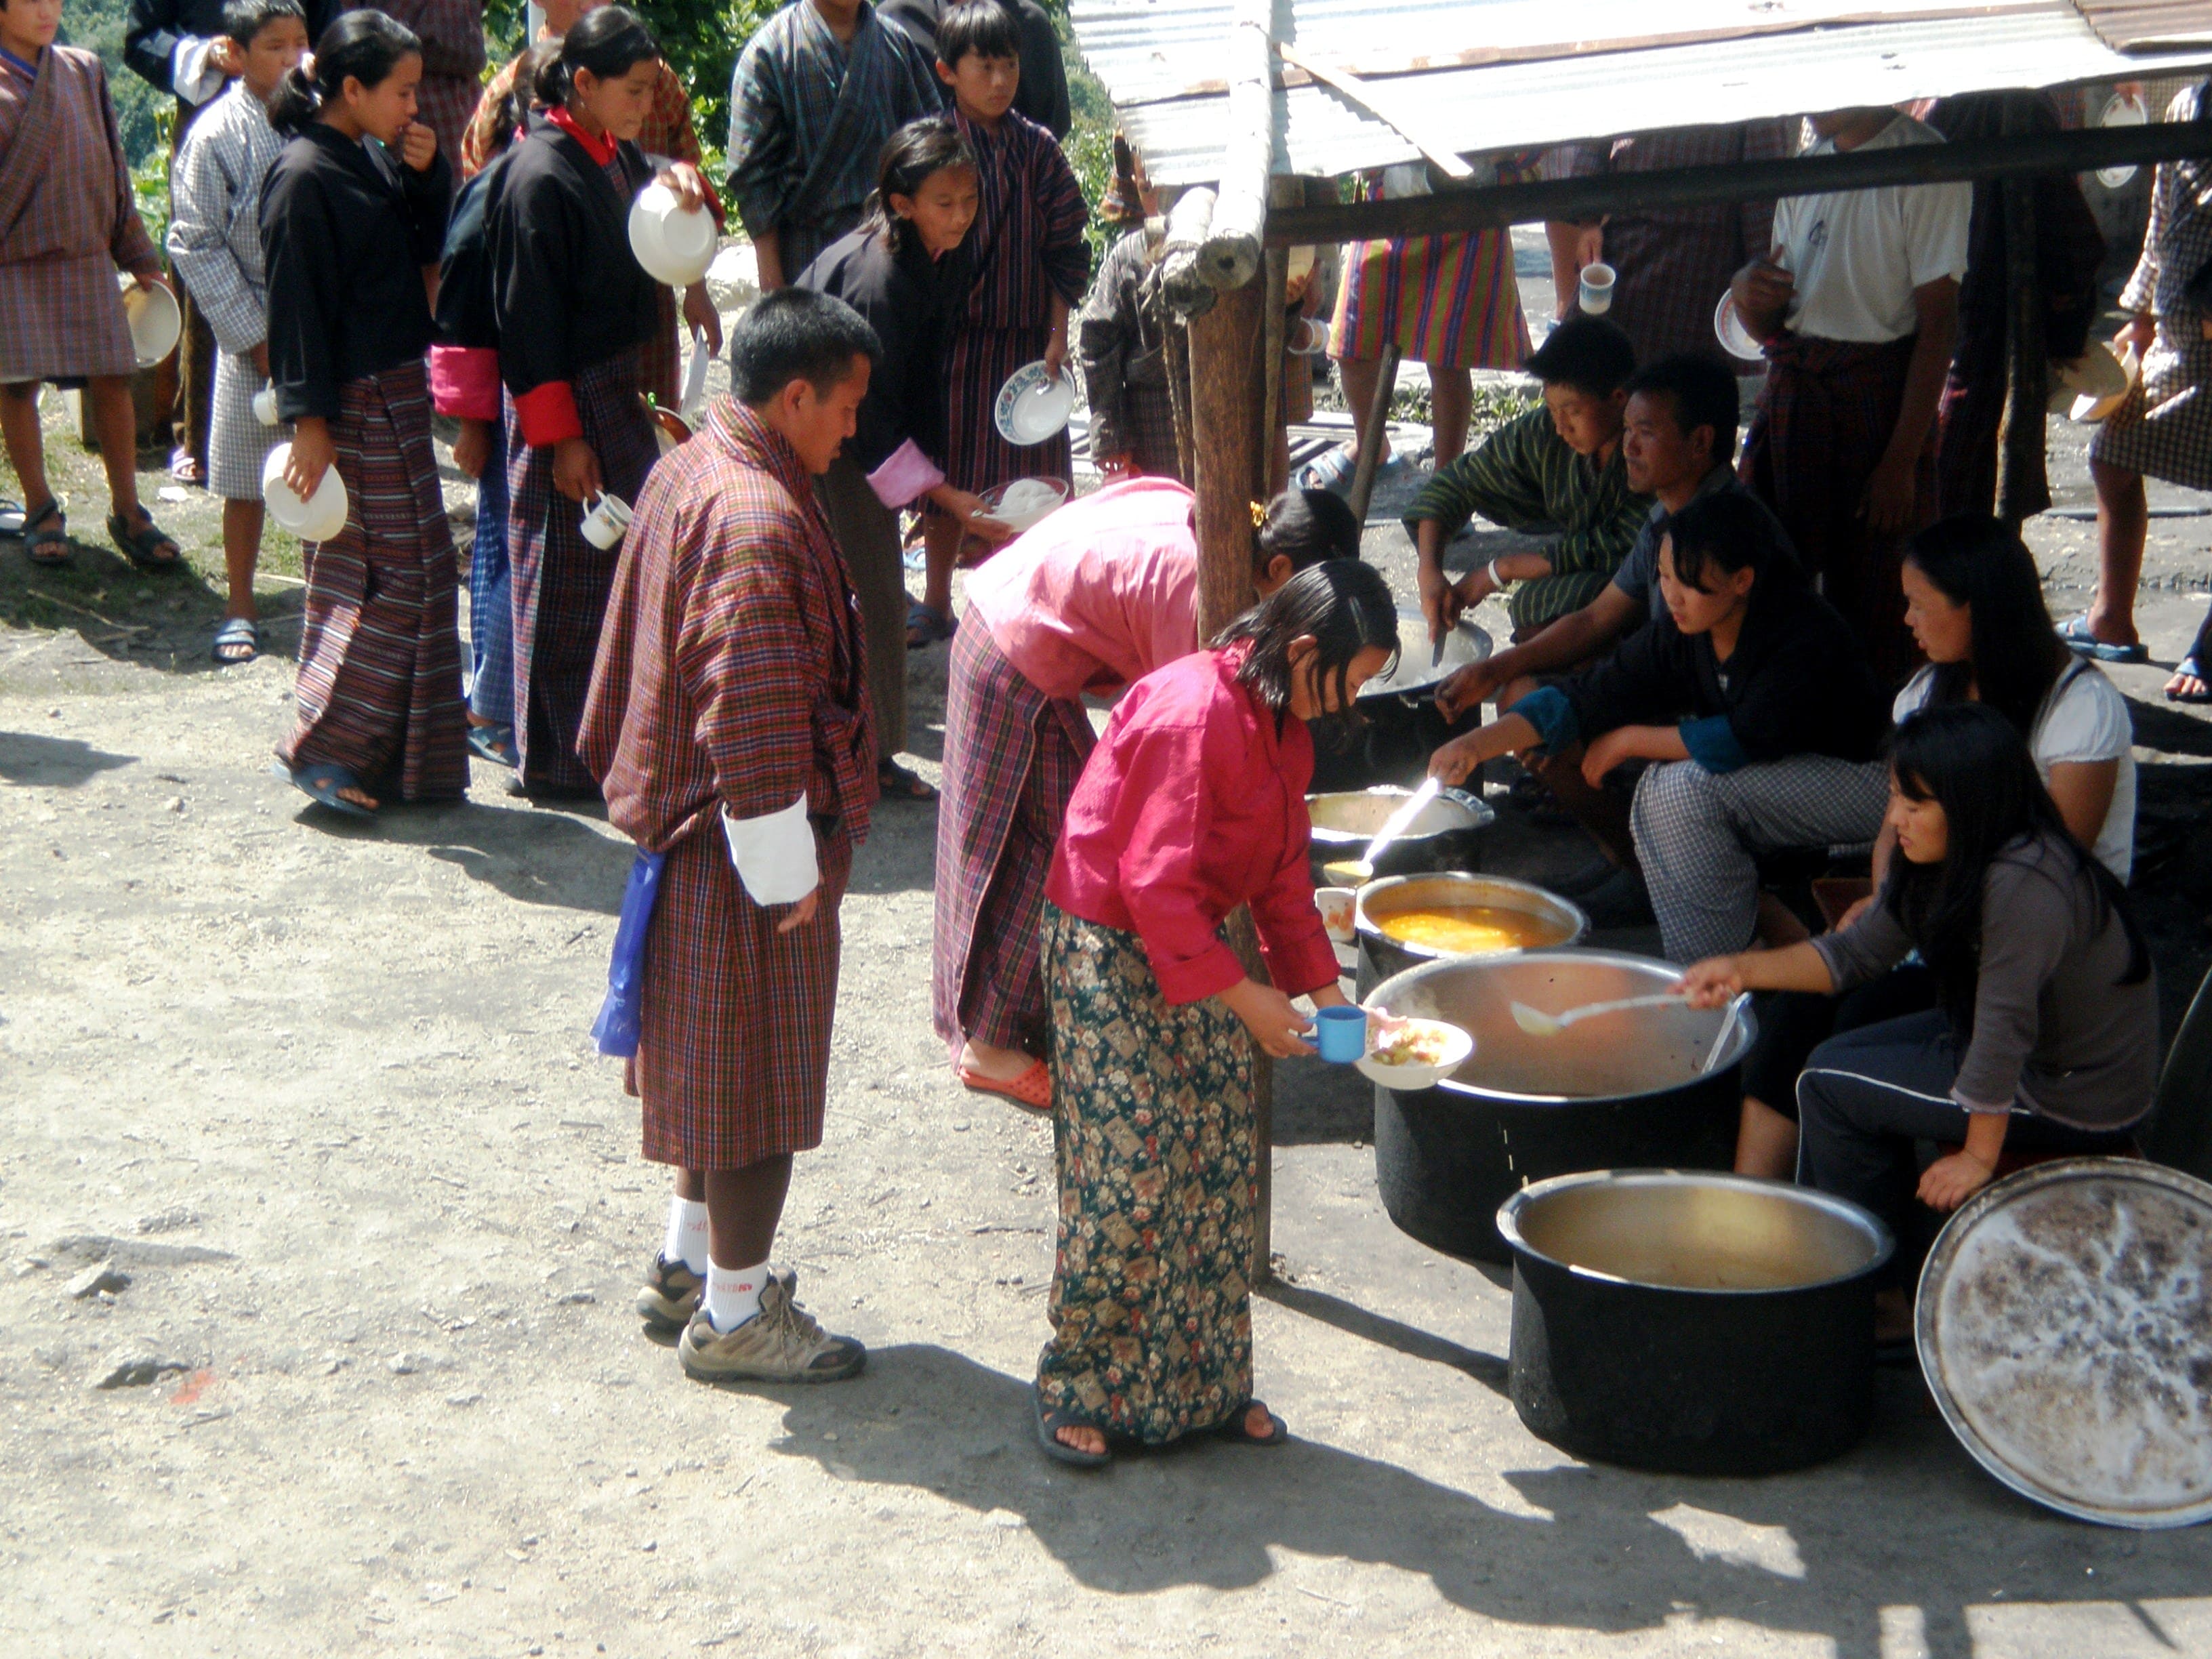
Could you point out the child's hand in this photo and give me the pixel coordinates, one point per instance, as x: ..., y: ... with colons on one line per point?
x: 312, y: 452
x: 1055, y: 354
x: 472, y: 447
x: 576, y: 470
x: 418, y: 146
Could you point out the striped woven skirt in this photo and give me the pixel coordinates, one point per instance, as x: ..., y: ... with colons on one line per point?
x: 560, y: 581
x: 1012, y: 758
x: 1448, y: 301
x: 980, y: 363
x: 1159, y: 1171
x: 379, y: 685
x: 732, y: 1062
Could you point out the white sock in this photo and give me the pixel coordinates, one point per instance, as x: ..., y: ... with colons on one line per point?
x: 733, y: 1294
x: 687, y: 1235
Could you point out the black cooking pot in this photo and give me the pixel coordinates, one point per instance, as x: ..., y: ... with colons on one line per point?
x: 1399, y: 727
x: 1696, y: 1323
x: 1627, y: 1089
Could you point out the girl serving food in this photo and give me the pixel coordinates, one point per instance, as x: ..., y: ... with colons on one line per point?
x: 2047, y: 1033
x: 1193, y: 804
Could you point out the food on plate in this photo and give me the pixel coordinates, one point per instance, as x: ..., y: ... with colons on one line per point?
x: 1414, y: 1042
x: 1469, y: 930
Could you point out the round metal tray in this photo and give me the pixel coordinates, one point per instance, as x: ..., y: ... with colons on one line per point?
x: 2064, y: 1325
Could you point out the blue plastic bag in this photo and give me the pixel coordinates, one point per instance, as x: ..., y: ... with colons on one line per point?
x: 614, y: 1031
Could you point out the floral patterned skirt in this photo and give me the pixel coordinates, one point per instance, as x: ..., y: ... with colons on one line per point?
x: 1150, y: 1310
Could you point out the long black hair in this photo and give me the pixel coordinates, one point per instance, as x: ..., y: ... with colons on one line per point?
x: 1972, y: 761
x: 609, y: 40
x: 362, y: 46
x: 1345, y: 605
x: 917, y: 149
x: 1728, y: 530
x: 1974, y: 560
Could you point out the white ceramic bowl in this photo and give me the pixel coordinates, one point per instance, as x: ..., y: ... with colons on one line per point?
x: 1735, y: 339
x: 315, y: 520
x: 674, y: 244
x: 155, y: 322
x: 1408, y: 1078
x: 1032, y: 406
x: 2123, y: 111
x: 1036, y: 513
x: 2090, y: 408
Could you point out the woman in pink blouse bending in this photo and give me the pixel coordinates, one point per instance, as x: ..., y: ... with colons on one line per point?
x: 1193, y: 804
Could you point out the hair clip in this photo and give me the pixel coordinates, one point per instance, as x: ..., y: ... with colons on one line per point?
x: 1259, y: 514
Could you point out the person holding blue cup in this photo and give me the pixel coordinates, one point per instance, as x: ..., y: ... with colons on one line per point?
x: 1340, y: 1033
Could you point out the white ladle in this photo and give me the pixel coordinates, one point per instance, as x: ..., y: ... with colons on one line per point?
x: 1536, y: 1023
x: 1396, y: 825
x: 1720, y: 1039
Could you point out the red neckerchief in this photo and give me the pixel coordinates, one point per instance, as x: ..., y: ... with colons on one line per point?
x: 600, y: 149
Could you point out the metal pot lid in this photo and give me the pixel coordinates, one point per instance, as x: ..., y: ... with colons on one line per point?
x: 1346, y: 817
x: 1413, y: 674
x: 2064, y: 1324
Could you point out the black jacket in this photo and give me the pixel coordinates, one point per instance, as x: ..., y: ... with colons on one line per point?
x: 567, y: 291
x: 346, y: 231
x: 1797, y: 684
x: 910, y: 301
x: 151, y: 29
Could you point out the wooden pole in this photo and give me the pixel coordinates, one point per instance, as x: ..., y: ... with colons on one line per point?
x: 2082, y: 149
x: 2021, y: 434
x: 1374, y: 434
x: 1227, y: 379
x: 1231, y: 258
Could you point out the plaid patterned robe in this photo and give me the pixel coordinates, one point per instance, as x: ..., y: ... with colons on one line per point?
x: 808, y: 118
x: 731, y: 676
x: 67, y: 221
x: 1027, y: 249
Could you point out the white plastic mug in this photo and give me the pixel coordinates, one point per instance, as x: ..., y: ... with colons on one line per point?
x: 1597, y: 289
x: 265, y: 405
x: 606, y: 522
x: 1308, y: 336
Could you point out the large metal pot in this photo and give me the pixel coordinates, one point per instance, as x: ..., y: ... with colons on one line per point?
x: 1620, y: 1091
x: 1401, y: 727
x: 1447, y: 836
x: 1702, y: 1324
x: 1380, y: 956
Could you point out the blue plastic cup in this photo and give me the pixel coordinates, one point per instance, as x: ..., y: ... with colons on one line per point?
x: 1340, y: 1033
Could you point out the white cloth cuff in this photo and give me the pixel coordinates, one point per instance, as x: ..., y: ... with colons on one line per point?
x: 773, y: 854
x: 905, y: 474
x: 193, y: 72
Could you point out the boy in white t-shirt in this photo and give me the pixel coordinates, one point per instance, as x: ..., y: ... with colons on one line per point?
x: 1858, y: 306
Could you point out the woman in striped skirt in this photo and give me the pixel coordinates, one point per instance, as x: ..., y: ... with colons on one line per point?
x: 572, y: 310
x: 353, y: 208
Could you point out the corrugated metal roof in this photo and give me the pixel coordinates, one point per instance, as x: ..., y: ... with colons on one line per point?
x: 1724, y: 61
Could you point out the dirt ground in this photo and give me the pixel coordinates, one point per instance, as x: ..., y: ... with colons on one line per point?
x: 323, y: 1096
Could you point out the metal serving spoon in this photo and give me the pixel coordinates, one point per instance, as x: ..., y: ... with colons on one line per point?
x: 1536, y: 1023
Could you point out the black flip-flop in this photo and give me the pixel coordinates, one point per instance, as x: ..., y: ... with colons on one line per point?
x: 925, y: 625
x: 1232, y: 1427
x: 137, y: 543
x: 321, y: 782
x: 236, y: 632
x: 1048, y: 1425
x: 896, y: 782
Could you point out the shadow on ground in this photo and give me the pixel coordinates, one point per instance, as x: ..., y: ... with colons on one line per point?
x: 56, y: 762
x: 1614, y: 1551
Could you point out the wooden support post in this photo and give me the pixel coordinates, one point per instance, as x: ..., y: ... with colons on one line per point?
x: 1231, y: 256
x: 2021, y: 434
x: 1227, y: 381
x: 1374, y: 434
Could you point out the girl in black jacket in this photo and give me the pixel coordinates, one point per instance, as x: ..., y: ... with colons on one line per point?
x: 571, y: 308
x: 1754, y: 702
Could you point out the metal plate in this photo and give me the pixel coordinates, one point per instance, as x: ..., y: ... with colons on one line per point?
x: 1351, y: 817
x: 2064, y: 1324
x: 1415, y: 675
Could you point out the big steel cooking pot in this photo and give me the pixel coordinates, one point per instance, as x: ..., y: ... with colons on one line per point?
x: 1400, y: 726
x: 1380, y: 956
x: 1619, y: 1091
x: 1446, y: 835
x: 1702, y: 1324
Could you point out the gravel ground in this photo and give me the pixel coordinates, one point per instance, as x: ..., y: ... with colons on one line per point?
x: 320, y: 1101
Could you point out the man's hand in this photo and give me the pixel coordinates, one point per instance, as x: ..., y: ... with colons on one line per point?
x: 1950, y: 1181
x: 1474, y: 587
x: 418, y: 146
x: 1602, y: 756
x: 1455, y: 760
x: 701, y: 317
x: 1055, y: 353
x: 1762, y: 291
x: 150, y: 280
x: 472, y: 447
x: 1467, y: 688
x: 974, y: 519
x: 1888, y: 501
x: 683, y: 181
x: 1440, y: 602
x: 576, y: 470
x: 801, y: 913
